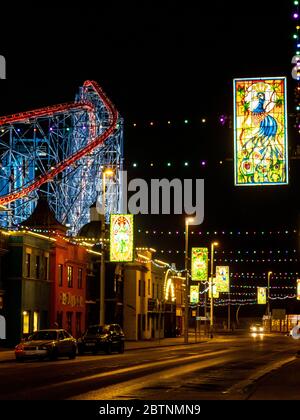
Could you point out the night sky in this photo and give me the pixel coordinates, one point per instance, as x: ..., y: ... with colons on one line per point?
x: 173, y: 62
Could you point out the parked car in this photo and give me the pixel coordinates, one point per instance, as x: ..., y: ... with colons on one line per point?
x: 50, y: 343
x: 257, y: 328
x: 108, y: 338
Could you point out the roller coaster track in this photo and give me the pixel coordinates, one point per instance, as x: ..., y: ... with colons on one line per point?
x: 56, y: 109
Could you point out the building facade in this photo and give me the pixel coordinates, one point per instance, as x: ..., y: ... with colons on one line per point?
x: 68, y: 294
x: 150, y: 306
x: 27, y: 284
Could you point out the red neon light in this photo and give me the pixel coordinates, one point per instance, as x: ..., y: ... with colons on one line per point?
x: 49, y: 111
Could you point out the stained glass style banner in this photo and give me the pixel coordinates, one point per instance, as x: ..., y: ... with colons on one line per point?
x: 199, y: 264
x: 222, y: 278
x: 298, y: 289
x: 194, y: 294
x: 121, y: 237
x: 261, y: 295
x: 260, y: 132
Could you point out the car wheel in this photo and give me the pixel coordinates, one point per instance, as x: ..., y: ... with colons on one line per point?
x: 109, y: 348
x: 121, y: 348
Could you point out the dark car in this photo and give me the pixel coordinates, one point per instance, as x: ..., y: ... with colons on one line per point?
x: 108, y: 338
x: 47, y: 344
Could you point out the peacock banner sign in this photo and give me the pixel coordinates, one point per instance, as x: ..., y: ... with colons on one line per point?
x: 260, y: 131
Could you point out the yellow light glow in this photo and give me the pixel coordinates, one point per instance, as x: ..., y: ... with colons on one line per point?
x: 108, y: 172
x: 93, y: 252
x: 143, y: 256
x: 189, y: 220
x: 161, y: 262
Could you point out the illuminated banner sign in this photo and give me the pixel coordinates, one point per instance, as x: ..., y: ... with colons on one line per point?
x: 215, y: 291
x: 222, y: 278
x: 260, y: 132
x: 261, y: 295
x: 200, y: 264
x: 121, y: 237
x: 298, y: 289
x: 194, y: 294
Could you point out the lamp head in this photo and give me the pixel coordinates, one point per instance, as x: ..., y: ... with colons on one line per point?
x: 189, y: 220
x: 108, y: 172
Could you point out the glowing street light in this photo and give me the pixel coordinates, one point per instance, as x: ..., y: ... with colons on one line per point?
x: 213, y: 244
x: 108, y: 172
x: 186, y: 306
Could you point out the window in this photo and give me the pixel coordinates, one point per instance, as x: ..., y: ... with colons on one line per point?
x: 37, y: 266
x: 70, y: 276
x: 46, y: 259
x: 26, y: 322
x: 27, y: 263
x: 143, y: 322
x: 78, y: 324
x: 144, y: 288
x: 69, y: 321
x: 36, y: 319
x: 60, y: 275
x: 66, y: 334
x: 140, y: 285
x: 79, y: 278
x: 59, y: 318
x: 153, y: 295
x: 61, y: 335
x: 149, y: 287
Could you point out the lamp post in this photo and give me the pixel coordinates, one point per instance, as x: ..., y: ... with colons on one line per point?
x: 213, y: 244
x: 105, y: 173
x: 268, y: 301
x: 186, y: 300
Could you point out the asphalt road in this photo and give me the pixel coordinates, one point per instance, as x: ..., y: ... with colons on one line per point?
x: 222, y: 369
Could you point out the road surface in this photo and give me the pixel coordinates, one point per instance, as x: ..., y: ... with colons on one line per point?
x: 227, y: 368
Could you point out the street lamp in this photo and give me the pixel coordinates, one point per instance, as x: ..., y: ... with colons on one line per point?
x: 105, y: 173
x: 268, y: 301
x: 213, y: 244
x: 186, y: 309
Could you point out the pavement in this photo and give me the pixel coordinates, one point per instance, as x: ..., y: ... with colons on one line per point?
x: 281, y: 384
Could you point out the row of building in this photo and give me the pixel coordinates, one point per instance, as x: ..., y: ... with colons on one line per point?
x: 50, y: 280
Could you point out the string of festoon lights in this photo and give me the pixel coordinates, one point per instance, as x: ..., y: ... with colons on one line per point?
x: 296, y: 61
x: 275, y: 276
x: 239, y: 233
x: 202, y: 121
x: 239, y: 253
x: 200, y: 163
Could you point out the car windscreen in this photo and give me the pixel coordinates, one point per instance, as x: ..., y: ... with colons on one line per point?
x: 44, y: 335
x: 96, y: 329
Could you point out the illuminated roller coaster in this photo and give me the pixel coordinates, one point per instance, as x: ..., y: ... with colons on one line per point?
x: 61, y: 151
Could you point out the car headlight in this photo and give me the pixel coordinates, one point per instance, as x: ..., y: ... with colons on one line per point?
x: 253, y: 328
x: 261, y: 329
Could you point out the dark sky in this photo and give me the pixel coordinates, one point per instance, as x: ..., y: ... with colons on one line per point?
x: 172, y: 60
